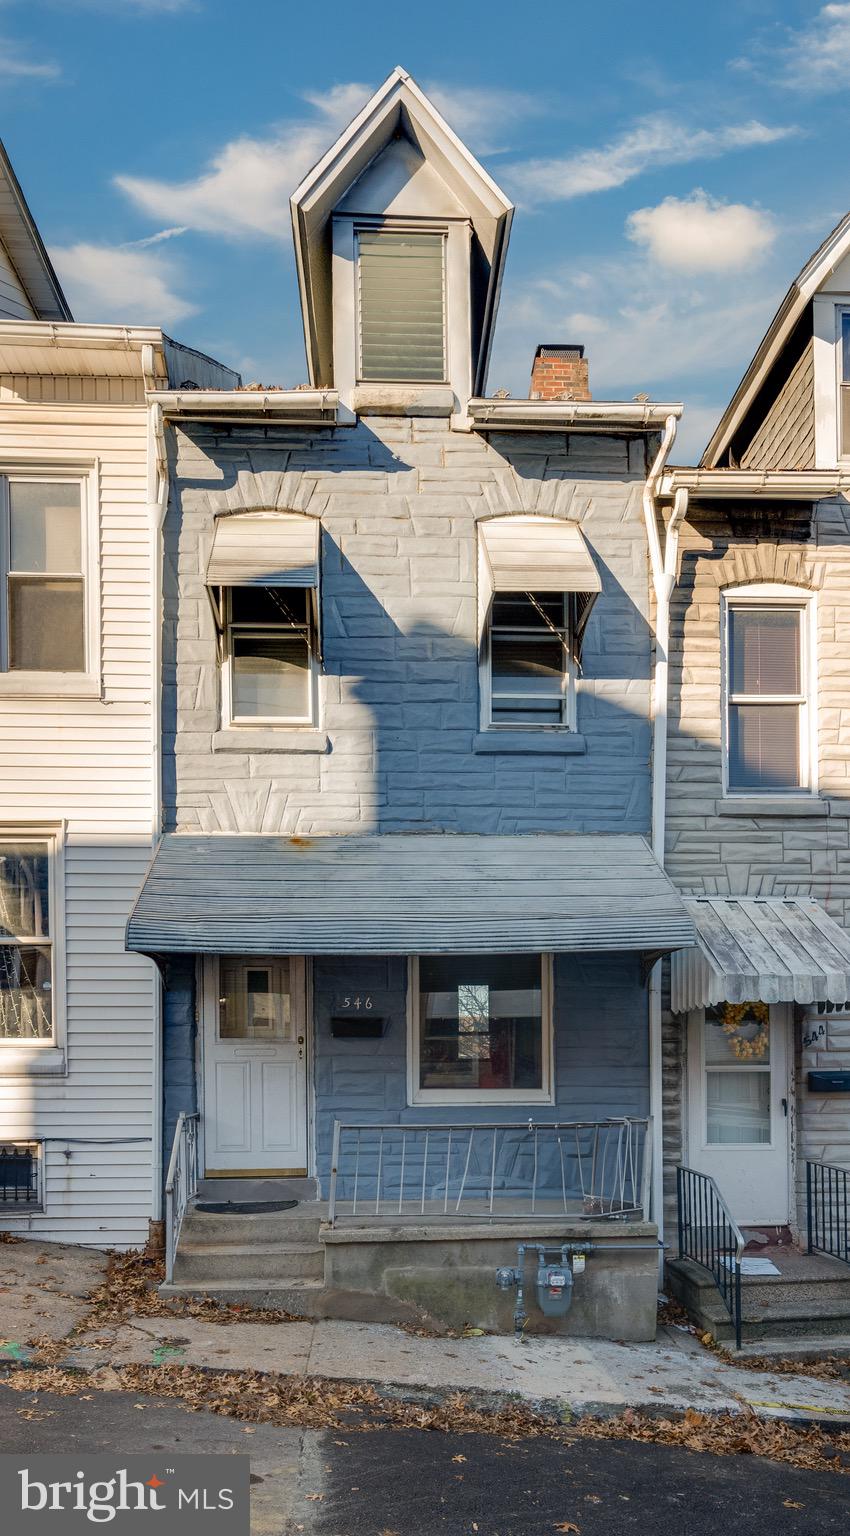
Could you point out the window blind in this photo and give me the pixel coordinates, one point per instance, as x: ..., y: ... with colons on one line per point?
x: 402, y: 306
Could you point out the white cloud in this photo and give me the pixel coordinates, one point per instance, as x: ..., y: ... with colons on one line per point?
x: 652, y: 141
x: 121, y: 284
x: 701, y: 234
x: 244, y: 193
x: 815, y: 58
x: 16, y: 64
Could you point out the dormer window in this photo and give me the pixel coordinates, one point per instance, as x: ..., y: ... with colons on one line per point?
x: 401, y: 305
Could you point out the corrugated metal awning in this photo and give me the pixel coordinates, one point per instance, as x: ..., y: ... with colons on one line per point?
x: 275, y: 549
x: 753, y: 949
x: 406, y: 894
x: 534, y: 554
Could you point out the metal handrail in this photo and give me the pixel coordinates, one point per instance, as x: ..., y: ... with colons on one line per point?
x: 828, y: 1209
x: 491, y: 1170
x: 181, y: 1184
x: 710, y: 1236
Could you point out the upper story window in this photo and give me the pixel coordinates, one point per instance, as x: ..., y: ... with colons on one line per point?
x: 270, y: 656
x: 528, y: 659
x: 768, y: 715
x: 263, y: 580
x: 844, y: 386
x: 401, y: 305
x: 26, y: 944
x: 44, y: 596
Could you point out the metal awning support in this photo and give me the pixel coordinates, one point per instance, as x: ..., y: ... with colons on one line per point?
x: 758, y: 949
x: 535, y: 554
x: 405, y: 894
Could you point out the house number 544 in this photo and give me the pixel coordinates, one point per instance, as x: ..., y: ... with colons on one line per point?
x: 358, y: 1002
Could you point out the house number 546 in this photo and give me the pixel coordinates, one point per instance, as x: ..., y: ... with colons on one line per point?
x: 358, y: 1002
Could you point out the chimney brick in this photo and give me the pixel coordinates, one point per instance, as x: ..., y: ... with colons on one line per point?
x: 559, y: 372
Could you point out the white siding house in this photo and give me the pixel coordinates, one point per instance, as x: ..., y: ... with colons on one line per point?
x: 79, y: 760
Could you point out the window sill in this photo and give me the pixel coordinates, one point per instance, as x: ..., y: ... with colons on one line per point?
x: 772, y: 805
x: 52, y: 685
x: 236, y: 738
x: 32, y: 1061
x: 556, y: 743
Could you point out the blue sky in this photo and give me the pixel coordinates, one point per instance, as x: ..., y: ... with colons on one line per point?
x: 673, y: 166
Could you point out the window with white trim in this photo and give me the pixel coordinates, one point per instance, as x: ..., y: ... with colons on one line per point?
x: 401, y: 288
x: 844, y: 383
x: 270, y: 662
x: 768, y: 722
x: 528, y: 671
x: 45, y: 600
x: 481, y: 1029
x: 27, y: 920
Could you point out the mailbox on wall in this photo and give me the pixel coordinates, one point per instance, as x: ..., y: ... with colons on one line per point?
x: 829, y: 1082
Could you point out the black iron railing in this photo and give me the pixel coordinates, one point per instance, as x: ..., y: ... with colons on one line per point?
x: 18, y: 1175
x: 710, y: 1237
x: 827, y: 1206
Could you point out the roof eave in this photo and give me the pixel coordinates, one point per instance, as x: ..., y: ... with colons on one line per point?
x: 756, y: 484
x: 301, y: 407
x: 570, y: 415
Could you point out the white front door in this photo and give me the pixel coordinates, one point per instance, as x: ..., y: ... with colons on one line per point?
x: 738, y: 1106
x: 255, y: 1079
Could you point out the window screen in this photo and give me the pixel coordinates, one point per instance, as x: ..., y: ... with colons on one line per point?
x: 529, y: 658
x: 402, y: 305
x: 270, y: 646
x: 766, y: 698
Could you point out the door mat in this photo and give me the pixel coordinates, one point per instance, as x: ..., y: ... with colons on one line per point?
x: 244, y: 1207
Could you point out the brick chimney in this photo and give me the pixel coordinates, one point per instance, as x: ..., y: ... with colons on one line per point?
x: 559, y: 373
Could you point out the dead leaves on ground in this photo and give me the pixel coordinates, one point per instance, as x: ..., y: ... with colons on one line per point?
x: 252, y: 1397
x: 129, y: 1289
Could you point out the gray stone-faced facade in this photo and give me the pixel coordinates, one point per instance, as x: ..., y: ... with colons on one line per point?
x: 397, y: 744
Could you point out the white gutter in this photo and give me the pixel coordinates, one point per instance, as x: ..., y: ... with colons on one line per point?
x: 663, y: 560
x: 304, y: 407
x: 769, y: 484
x: 66, y: 333
x: 554, y: 415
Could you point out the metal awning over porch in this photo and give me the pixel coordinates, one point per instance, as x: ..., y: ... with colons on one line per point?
x: 759, y: 949
x: 406, y: 894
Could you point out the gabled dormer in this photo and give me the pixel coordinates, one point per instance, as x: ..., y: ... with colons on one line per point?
x: 791, y: 410
x: 400, y: 239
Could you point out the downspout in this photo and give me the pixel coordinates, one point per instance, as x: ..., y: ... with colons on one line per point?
x: 663, y: 563
x: 157, y: 503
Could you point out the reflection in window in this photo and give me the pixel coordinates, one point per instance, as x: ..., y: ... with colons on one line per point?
x: 766, y: 697
x: 737, y: 1089
x: 529, y: 647
x: 481, y: 1023
x: 254, y: 999
x: 26, y: 951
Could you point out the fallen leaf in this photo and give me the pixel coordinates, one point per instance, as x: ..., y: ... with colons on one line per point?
x: 792, y: 1504
x: 458, y: 1458
x: 567, y: 1525
x: 312, y: 1497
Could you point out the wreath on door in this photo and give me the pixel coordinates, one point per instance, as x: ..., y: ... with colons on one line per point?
x: 732, y: 1016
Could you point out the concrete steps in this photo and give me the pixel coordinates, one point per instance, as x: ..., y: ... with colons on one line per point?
x: 809, y: 1299
x: 257, y: 1253
x: 304, y: 1298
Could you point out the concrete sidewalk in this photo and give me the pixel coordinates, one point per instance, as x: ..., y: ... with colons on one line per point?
x: 40, y: 1295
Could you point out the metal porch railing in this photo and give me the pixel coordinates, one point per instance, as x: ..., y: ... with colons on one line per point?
x: 709, y: 1235
x: 583, y: 1169
x: 181, y: 1184
x: 827, y: 1208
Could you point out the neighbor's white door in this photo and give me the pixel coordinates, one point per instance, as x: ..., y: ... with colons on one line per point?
x: 255, y: 1080
x: 738, y: 1109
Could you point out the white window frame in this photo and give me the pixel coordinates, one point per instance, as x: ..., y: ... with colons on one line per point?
x: 85, y: 684
x: 568, y: 693
x: 773, y: 595
x: 24, y: 1058
x: 400, y: 227
x: 307, y: 721
x: 495, y: 1096
x: 828, y: 309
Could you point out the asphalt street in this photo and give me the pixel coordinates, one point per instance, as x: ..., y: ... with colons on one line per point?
x: 412, y: 1483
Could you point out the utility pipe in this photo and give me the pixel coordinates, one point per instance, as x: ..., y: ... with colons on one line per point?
x: 663, y: 562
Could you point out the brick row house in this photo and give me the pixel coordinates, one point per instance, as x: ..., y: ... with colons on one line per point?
x: 452, y: 698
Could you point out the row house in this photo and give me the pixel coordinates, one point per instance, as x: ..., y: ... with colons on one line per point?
x: 79, y: 793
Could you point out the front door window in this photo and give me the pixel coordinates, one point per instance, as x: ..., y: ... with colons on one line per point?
x: 737, y: 1078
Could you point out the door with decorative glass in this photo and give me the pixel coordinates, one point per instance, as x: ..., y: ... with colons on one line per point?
x: 738, y: 1100
x: 255, y: 1079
